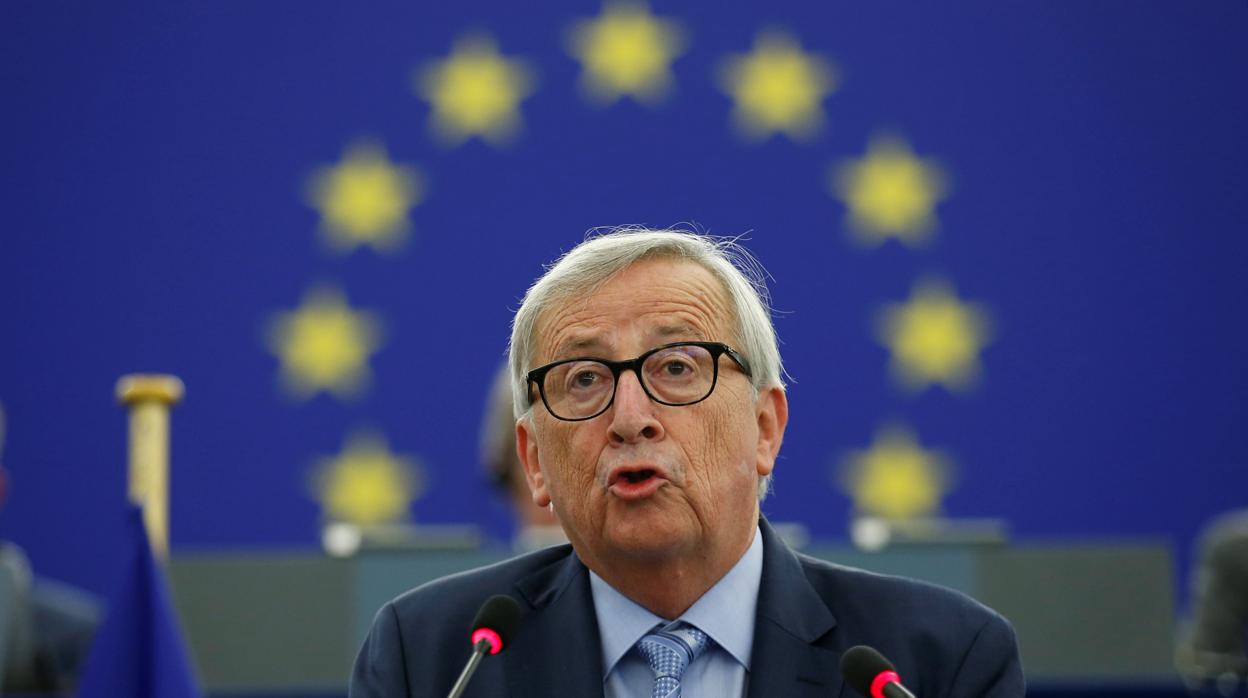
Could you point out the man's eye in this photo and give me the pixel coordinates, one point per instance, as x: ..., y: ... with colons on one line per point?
x: 676, y: 368
x: 584, y: 379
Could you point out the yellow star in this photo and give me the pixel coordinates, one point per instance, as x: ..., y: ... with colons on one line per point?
x: 934, y: 338
x: 366, y: 484
x: 324, y: 345
x: 626, y: 51
x: 896, y: 478
x: 365, y: 199
x: 475, y: 92
x: 890, y: 193
x: 778, y: 88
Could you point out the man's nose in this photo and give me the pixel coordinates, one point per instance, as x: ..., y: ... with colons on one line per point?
x: 633, y: 415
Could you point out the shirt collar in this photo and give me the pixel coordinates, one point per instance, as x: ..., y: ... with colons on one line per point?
x: 725, y: 612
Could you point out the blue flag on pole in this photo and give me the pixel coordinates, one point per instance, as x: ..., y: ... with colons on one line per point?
x: 139, y: 650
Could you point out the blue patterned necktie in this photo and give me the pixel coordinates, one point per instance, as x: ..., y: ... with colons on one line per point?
x: 670, y: 651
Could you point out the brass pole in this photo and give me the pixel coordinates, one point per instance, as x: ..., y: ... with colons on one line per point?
x: 149, y: 397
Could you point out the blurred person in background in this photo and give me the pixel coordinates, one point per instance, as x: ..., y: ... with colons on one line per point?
x: 1212, y: 652
x: 536, y: 527
x: 45, y: 627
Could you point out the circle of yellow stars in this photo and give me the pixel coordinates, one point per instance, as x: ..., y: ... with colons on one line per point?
x: 475, y: 92
x: 776, y: 88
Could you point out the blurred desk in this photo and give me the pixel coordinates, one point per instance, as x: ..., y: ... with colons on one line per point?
x: 1087, y: 615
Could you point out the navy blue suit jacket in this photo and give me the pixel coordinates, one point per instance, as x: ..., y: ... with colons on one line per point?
x: 944, y: 644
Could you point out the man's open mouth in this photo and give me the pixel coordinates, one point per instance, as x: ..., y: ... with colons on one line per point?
x: 636, y: 476
x: 633, y: 482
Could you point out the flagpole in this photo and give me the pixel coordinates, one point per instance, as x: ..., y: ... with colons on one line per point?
x: 149, y: 398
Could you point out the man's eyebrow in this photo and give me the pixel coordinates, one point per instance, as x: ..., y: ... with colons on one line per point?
x: 676, y: 331
x: 578, y: 346
x: 594, y: 345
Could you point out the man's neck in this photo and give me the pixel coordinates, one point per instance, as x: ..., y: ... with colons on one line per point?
x: 668, y: 586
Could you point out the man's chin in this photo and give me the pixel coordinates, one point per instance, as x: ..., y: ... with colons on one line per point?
x: 649, y: 538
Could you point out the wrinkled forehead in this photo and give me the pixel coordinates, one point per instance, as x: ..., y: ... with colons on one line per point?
x: 648, y: 303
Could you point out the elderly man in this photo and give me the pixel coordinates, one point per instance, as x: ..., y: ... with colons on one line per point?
x: 650, y: 409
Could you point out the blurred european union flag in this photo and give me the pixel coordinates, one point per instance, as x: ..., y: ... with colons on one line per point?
x: 139, y: 650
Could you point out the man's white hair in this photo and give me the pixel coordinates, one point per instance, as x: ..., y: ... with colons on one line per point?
x: 607, y: 252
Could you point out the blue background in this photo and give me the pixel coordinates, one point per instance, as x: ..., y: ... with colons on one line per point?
x: 154, y: 218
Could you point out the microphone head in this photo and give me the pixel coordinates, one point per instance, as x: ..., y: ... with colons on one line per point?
x: 861, y: 665
x: 496, y: 621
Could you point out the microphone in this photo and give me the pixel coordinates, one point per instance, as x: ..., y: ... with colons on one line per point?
x: 871, y: 674
x: 491, y: 632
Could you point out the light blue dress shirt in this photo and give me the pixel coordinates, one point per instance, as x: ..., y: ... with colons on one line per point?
x: 725, y: 613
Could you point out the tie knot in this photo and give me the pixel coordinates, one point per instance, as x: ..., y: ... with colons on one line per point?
x: 670, y: 651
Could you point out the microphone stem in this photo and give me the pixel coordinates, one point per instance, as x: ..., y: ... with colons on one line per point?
x: 892, y: 689
x: 478, y: 651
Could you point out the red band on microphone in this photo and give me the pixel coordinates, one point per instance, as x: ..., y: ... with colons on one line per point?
x: 496, y: 642
x: 883, y: 679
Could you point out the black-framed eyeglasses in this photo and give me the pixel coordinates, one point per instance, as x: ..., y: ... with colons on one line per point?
x: 677, y: 374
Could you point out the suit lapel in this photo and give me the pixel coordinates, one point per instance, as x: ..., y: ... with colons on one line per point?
x: 791, y: 656
x: 557, y: 650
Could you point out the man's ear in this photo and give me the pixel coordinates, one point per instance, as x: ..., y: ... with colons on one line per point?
x: 526, y: 448
x: 773, y: 415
